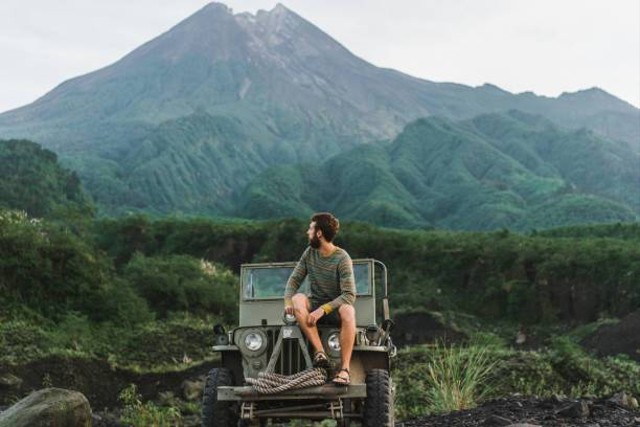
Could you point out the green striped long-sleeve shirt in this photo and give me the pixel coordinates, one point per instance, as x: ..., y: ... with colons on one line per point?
x: 331, y: 278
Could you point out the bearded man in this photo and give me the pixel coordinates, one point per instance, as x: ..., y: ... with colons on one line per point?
x: 333, y: 292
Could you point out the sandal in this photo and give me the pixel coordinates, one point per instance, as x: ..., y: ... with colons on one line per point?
x: 320, y: 360
x: 341, y: 379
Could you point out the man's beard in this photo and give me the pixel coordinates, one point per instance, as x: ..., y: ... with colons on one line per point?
x: 314, y: 242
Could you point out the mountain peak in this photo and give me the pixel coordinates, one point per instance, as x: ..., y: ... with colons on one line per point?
x: 215, y: 7
x: 280, y: 9
x: 596, y: 95
x: 277, y: 18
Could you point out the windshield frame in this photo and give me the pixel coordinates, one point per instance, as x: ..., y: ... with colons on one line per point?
x: 246, y: 268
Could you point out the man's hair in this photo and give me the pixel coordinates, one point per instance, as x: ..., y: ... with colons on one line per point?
x: 327, y: 223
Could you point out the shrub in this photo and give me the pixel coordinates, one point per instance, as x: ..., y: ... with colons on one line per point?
x: 139, y: 414
x: 49, y: 269
x: 183, y: 283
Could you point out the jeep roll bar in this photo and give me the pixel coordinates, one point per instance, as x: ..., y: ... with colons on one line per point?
x: 387, y: 323
x: 385, y: 297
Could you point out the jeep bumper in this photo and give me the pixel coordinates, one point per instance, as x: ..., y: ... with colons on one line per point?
x: 327, y: 391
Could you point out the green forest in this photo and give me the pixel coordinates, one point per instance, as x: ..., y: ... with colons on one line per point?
x: 511, y: 170
x: 141, y: 293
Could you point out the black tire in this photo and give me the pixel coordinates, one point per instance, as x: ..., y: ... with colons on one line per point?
x: 218, y: 413
x: 378, y: 405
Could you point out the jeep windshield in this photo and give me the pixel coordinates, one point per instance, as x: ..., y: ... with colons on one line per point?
x: 267, y: 281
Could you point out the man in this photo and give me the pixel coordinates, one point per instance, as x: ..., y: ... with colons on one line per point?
x: 333, y: 292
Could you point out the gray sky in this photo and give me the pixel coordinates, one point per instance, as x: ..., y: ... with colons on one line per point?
x: 544, y: 46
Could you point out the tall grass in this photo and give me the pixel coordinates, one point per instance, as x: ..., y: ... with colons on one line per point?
x: 457, y: 377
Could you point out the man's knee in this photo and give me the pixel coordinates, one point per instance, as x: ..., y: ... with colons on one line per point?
x: 300, y: 301
x: 347, y: 314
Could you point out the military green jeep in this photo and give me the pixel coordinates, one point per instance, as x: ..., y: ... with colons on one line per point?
x: 267, y: 341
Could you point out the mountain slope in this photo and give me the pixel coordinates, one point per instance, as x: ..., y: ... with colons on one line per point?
x: 295, y: 93
x: 509, y: 170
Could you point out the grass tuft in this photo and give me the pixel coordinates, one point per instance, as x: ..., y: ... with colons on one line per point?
x: 457, y: 377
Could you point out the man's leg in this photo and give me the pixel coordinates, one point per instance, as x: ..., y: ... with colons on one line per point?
x: 301, y: 307
x: 347, y: 333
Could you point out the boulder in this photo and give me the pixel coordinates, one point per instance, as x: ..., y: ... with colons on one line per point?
x: 49, y: 407
x: 8, y: 380
x: 624, y: 400
x: 578, y: 409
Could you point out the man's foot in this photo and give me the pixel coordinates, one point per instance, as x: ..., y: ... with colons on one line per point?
x: 342, y: 377
x: 320, y: 360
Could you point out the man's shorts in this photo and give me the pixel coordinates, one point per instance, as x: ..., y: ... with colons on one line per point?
x: 331, y: 319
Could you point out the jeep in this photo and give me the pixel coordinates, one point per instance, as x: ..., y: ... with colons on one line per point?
x: 268, y: 341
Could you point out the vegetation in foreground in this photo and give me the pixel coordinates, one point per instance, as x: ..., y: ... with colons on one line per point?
x: 434, y: 379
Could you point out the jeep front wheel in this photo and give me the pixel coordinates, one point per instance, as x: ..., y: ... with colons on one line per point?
x: 378, y: 405
x: 217, y: 413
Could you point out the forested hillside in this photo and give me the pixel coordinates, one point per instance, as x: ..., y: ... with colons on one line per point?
x: 512, y: 170
x: 133, y: 268
x: 32, y: 180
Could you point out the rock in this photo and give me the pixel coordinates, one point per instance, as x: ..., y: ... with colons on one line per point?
x: 497, y: 420
x: 521, y: 336
x: 524, y: 425
x: 106, y: 419
x: 49, y: 407
x: 192, y: 390
x: 575, y: 410
x: 8, y: 380
x: 624, y: 400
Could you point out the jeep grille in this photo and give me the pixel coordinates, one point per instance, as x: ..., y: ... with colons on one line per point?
x: 291, y: 359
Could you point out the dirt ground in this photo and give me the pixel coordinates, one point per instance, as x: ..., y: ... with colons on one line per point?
x: 621, y: 338
x: 535, y: 412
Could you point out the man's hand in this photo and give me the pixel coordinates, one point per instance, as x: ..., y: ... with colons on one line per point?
x: 288, y: 310
x: 314, y: 316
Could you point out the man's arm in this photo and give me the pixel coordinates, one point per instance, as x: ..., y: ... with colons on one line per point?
x: 347, y: 286
x: 295, y: 280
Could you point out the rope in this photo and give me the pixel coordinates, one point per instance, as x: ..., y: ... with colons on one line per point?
x: 276, y: 383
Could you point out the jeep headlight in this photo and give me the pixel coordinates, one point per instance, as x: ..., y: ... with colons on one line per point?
x: 253, y: 341
x: 334, y: 341
x: 288, y: 319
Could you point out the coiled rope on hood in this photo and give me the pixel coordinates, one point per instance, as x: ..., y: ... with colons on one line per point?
x: 270, y: 383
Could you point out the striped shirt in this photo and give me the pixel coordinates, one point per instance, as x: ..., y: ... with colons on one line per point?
x: 331, y: 278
